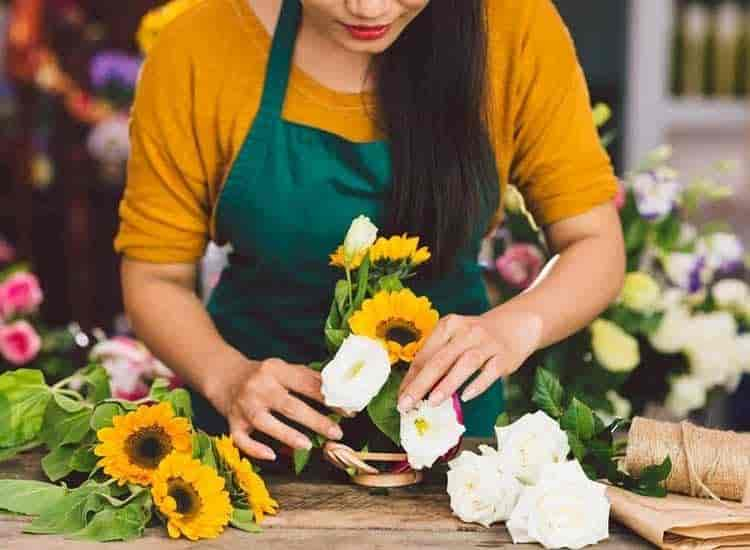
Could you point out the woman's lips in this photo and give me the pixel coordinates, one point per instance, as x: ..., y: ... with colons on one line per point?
x: 361, y: 32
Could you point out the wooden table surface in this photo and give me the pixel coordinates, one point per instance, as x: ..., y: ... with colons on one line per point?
x: 316, y: 515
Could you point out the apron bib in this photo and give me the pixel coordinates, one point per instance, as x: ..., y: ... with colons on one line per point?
x: 286, y: 205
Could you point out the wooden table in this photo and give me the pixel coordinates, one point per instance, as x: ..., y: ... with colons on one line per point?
x: 316, y: 516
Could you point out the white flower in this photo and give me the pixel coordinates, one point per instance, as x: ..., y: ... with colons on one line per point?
x: 564, y: 510
x: 672, y: 333
x: 622, y: 408
x: 528, y: 444
x: 428, y: 432
x: 614, y: 349
x: 711, y: 349
x: 479, y: 492
x: 360, y: 237
x: 656, y: 193
x: 356, y: 374
x: 688, y: 235
x: 731, y: 294
x: 640, y: 292
x: 691, y: 272
x: 723, y: 251
x: 671, y: 298
x: 109, y: 140
x: 687, y: 393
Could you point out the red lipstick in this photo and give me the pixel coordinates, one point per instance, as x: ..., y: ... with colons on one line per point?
x: 361, y: 32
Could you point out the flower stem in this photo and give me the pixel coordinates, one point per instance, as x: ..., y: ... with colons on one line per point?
x: 349, y: 280
x: 63, y: 382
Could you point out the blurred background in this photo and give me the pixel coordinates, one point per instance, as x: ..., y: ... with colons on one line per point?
x: 673, y: 72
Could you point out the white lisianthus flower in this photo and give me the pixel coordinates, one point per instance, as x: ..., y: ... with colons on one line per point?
x: 673, y: 330
x: 479, y: 492
x: 564, y: 510
x: 711, y: 349
x: 731, y: 294
x: 687, y: 393
x: 671, y: 298
x: 356, y: 374
x: 691, y: 272
x: 528, y: 444
x: 640, y: 292
x: 723, y: 251
x: 614, y: 349
x: 428, y: 432
x: 656, y: 193
x: 360, y: 237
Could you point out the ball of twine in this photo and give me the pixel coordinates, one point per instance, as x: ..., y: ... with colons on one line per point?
x: 705, y: 463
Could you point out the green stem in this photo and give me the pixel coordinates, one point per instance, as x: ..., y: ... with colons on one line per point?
x: 349, y: 280
x: 70, y: 393
x: 63, y: 382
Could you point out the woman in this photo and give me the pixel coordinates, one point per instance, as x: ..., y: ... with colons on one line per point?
x: 271, y: 124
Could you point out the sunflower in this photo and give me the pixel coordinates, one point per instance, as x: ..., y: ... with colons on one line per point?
x: 191, y: 497
x: 138, y: 442
x: 399, y: 319
x: 337, y: 259
x: 399, y: 249
x: 254, y: 489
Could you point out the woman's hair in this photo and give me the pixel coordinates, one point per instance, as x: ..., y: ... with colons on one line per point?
x: 432, y: 89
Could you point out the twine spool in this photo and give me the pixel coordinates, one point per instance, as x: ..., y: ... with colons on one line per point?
x: 705, y: 463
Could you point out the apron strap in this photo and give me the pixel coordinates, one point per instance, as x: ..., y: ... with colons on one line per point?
x: 280, y: 58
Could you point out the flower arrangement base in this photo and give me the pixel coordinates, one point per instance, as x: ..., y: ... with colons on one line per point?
x: 366, y: 475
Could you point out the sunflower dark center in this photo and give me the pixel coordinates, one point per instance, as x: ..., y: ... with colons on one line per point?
x: 148, y: 446
x: 400, y: 331
x: 184, y: 494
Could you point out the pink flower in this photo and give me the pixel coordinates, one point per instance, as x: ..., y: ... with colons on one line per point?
x: 20, y: 293
x: 520, y: 265
x: 621, y: 196
x: 19, y: 343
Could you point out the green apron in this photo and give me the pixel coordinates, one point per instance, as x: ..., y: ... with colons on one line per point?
x: 286, y: 205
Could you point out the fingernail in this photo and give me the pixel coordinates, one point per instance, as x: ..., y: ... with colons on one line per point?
x: 304, y: 443
x: 405, y: 404
x: 269, y: 455
x: 469, y: 394
x: 436, y: 398
x: 335, y: 433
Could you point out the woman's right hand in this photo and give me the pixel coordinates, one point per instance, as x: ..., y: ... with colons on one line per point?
x: 257, y: 391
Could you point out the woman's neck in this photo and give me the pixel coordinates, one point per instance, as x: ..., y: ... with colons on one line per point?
x: 317, y: 55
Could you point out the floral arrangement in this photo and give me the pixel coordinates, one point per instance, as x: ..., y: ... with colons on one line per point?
x: 375, y: 328
x: 143, y: 462
x: 676, y: 333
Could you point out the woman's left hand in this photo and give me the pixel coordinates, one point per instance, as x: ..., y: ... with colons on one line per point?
x: 458, y: 348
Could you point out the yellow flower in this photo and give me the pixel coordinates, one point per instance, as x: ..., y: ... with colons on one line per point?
x: 400, y: 248
x: 258, y: 498
x: 155, y: 20
x: 338, y: 258
x: 640, y: 292
x: 139, y: 441
x: 399, y: 319
x: 192, y: 498
x: 614, y: 349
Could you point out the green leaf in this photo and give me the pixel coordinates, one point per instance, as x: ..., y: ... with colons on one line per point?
x: 635, y: 234
x: 668, y: 232
x: 363, y: 274
x: 590, y: 471
x: 317, y: 366
x: 61, y: 427
x: 29, y: 497
x: 652, y: 476
x: 84, y: 460
x: 245, y: 520
x: 203, y: 449
x: 382, y: 409
x: 548, y: 393
x: 576, y: 446
x: 159, y: 389
x: 12, y: 452
x: 180, y: 400
x: 104, y: 413
x: 97, y: 383
x: 66, y: 403
x: 118, y: 523
x: 56, y: 464
x: 301, y: 458
x: 502, y: 420
x: 340, y: 299
x: 23, y: 399
x: 579, y: 419
x: 334, y: 338
x: 67, y: 514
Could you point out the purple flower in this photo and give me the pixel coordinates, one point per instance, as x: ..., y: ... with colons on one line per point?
x: 656, y: 193
x: 691, y: 272
x: 111, y: 66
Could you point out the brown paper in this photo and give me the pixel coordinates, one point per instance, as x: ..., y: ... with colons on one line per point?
x: 680, y: 522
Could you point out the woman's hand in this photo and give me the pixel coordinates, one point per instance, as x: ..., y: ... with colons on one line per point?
x: 458, y: 348
x: 249, y: 398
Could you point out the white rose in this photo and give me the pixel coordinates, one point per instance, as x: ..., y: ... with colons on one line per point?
x: 687, y: 393
x: 356, y: 374
x: 711, y: 349
x: 528, y: 444
x: 564, y: 510
x: 428, y: 432
x: 731, y: 294
x: 479, y: 492
x: 360, y: 237
x: 614, y: 349
x: 672, y: 333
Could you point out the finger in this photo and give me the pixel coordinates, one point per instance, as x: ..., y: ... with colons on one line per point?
x: 251, y: 447
x: 302, y: 380
x: 439, y: 338
x: 491, y: 371
x: 469, y: 363
x: 433, y: 371
x: 272, y: 426
x: 303, y: 414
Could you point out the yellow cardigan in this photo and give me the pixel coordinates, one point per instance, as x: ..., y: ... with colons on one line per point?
x: 200, y: 89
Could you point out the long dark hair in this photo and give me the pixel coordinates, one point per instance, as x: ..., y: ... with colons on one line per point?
x: 432, y: 90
